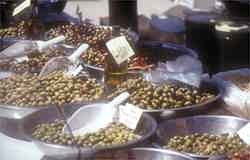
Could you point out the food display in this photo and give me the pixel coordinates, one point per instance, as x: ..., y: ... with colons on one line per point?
x: 96, y: 57
x: 113, y: 134
x: 34, y: 63
x: 85, y: 33
x: 20, y: 30
x: 241, y: 155
x: 54, y: 89
x: 206, y: 144
x: 148, y: 96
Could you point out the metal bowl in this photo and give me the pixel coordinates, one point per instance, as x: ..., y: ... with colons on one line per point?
x: 144, y: 154
x: 159, y: 51
x: 146, y: 129
x: 199, y: 124
x: 191, y: 109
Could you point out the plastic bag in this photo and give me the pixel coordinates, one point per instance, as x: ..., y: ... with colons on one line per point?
x: 185, y: 69
x: 236, y: 100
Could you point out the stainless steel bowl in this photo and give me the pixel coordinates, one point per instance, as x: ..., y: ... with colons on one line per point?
x: 191, y: 109
x: 144, y: 154
x: 159, y: 51
x: 146, y: 129
x: 199, y: 124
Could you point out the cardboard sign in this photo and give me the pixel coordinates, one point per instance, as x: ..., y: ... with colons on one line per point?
x: 244, y: 133
x: 22, y: 59
x: 130, y: 115
x: 21, y: 7
x: 120, y: 49
x: 74, y: 71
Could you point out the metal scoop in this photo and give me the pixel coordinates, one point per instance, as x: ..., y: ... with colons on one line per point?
x: 63, y: 62
x: 88, y: 120
x: 24, y: 48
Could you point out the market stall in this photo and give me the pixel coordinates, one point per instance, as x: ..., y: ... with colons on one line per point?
x: 130, y: 88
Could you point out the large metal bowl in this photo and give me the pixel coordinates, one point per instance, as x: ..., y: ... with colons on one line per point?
x: 146, y: 129
x: 145, y: 154
x: 199, y: 124
x: 191, y: 109
x: 159, y: 51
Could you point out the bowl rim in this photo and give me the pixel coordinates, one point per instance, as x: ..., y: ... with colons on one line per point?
x: 193, y: 155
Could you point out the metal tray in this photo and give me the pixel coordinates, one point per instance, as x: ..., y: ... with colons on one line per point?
x: 199, y: 124
x: 160, y: 114
x: 159, y: 51
x: 144, y: 154
x: 146, y: 129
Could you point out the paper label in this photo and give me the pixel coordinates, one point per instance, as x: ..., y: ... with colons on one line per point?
x: 244, y: 133
x: 22, y: 59
x: 74, y: 71
x: 120, y: 49
x: 130, y: 115
x: 21, y: 7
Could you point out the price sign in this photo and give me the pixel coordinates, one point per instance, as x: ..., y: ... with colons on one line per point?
x: 244, y: 133
x: 74, y: 71
x: 130, y: 115
x: 22, y: 59
x: 120, y: 49
x: 21, y: 7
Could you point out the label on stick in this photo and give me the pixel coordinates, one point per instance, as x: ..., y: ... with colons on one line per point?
x: 74, y: 71
x: 21, y: 7
x: 22, y: 59
x: 244, y: 133
x: 130, y: 115
x: 120, y: 49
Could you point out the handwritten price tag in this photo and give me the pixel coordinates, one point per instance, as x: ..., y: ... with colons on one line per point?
x: 130, y: 115
x: 21, y: 7
x: 22, y: 59
x: 120, y: 49
x: 244, y: 133
x: 74, y: 71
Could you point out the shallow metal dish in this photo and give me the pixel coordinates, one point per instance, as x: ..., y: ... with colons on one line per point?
x: 145, y: 154
x: 159, y: 51
x: 146, y: 129
x: 191, y: 109
x: 199, y: 124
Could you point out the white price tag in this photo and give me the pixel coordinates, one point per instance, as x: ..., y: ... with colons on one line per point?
x: 74, y: 71
x: 130, y: 115
x: 120, y: 49
x: 22, y: 59
x: 244, y: 133
x: 21, y: 7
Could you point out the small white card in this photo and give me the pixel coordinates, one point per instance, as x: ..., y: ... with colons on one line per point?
x: 22, y: 59
x: 21, y: 7
x: 244, y: 133
x: 130, y: 115
x: 120, y: 49
x: 74, y: 71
